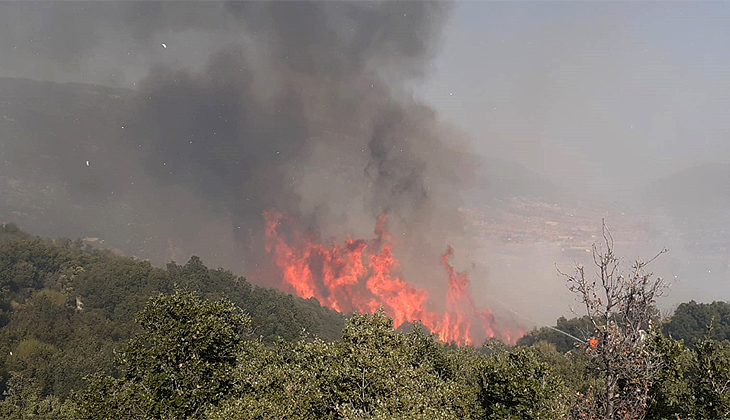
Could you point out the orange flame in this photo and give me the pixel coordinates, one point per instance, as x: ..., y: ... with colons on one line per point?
x: 337, y: 277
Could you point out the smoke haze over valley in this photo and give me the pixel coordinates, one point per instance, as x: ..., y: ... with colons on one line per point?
x: 166, y: 130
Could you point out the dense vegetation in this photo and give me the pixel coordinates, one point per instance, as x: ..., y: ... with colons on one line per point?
x: 65, y: 307
x: 691, y: 322
x: 87, y: 334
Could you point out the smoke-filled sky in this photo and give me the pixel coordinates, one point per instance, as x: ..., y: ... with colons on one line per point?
x: 337, y: 112
x: 609, y: 92
x: 240, y: 107
x: 569, y: 89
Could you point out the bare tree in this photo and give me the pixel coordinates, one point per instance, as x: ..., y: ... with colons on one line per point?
x: 622, y: 308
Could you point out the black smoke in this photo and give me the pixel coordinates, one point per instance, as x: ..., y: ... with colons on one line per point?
x: 305, y: 107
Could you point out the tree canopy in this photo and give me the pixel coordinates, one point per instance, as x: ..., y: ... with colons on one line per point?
x: 85, y: 333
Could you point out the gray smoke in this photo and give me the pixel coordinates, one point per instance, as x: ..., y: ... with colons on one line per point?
x: 300, y: 106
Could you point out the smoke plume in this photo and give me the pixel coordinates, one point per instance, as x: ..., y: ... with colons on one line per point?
x: 240, y: 107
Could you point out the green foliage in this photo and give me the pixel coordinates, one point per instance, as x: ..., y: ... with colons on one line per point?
x: 670, y: 391
x: 106, y: 397
x: 694, y: 321
x: 695, y: 383
x: 23, y: 400
x: 571, y: 366
x: 273, y: 314
x: 181, y: 361
x: 240, y: 351
x: 377, y: 373
x: 515, y: 384
x: 81, y: 302
x: 710, y: 379
x: 581, y: 328
x: 373, y: 372
x: 691, y: 381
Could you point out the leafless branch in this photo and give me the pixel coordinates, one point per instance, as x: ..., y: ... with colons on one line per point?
x: 621, y: 308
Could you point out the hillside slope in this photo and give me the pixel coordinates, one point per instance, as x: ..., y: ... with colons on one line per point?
x: 66, y: 307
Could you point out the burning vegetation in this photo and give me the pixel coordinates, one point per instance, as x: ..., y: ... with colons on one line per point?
x: 363, y: 275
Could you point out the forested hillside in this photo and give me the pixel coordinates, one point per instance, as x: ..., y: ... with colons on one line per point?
x: 85, y: 333
x: 66, y: 307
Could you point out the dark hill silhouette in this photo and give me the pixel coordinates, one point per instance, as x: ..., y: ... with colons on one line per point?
x: 700, y: 189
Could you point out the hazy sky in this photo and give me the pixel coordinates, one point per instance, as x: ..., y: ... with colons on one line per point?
x: 593, y: 94
x: 600, y: 90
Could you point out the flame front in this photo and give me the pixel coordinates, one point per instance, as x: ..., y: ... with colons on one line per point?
x: 337, y: 276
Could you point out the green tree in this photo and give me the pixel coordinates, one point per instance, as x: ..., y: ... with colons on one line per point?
x: 694, y: 382
x: 671, y: 395
x: 274, y: 314
x: 373, y: 372
x: 570, y: 333
x: 23, y: 400
x: 694, y: 321
x: 81, y: 302
x: 515, y: 384
x: 710, y: 379
x: 178, y: 365
x: 570, y: 366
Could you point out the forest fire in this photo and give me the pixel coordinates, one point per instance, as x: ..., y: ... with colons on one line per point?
x: 362, y: 275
